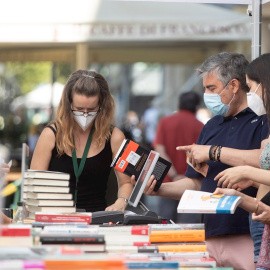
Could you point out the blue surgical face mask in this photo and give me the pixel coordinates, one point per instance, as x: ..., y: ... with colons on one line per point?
x: 214, y: 104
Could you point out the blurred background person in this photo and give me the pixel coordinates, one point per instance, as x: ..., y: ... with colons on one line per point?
x: 131, y: 128
x: 150, y: 120
x: 177, y: 129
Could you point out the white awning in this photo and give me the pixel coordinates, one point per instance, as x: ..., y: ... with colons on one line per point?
x: 108, y: 21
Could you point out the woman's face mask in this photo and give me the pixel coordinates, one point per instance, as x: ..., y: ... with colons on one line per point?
x: 255, y: 103
x: 84, y: 119
x: 215, y: 105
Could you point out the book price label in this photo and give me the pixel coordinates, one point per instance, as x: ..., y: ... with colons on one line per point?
x: 133, y: 158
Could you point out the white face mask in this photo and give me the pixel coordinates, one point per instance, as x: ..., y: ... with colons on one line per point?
x: 255, y: 103
x: 85, y: 120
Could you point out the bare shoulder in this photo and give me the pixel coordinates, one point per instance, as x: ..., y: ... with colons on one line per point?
x: 47, y: 136
x: 116, y: 139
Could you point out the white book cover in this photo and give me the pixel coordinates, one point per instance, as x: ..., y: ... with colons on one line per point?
x: 46, y: 182
x: 51, y: 209
x: 46, y: 174
x: 48, y: 196
x: 205, y: 202
x: 37, y: 202
x: 46, y: 189
x: 92, y: 229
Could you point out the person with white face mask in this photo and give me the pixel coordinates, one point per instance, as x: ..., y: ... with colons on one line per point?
x: 230, y: 138
x: 83, y: 141
x: 254, y: 100
x: 84, y: 119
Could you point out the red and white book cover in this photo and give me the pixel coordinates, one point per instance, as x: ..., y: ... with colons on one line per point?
x: 63, y: 218
x: 140, y: 230
x: 15, y: 230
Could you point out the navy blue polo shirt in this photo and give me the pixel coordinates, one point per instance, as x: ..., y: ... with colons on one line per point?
x: 244, y: 131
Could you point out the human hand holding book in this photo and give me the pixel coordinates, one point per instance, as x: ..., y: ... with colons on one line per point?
x: 133, y: 159
x: 202, y: 168
x: 194, y: 201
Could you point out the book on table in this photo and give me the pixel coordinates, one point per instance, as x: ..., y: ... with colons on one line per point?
x: 70, y: 238
x: 46, y: 189
x: 64, y: 217
x: 193, y: 201
x: 47, y: 196
x: 46, y: 175
x: 37, y: 202
x: 181, y: 247
x: 177, y: 236
x: 131, y: 158
x: 179, y: 226
x: 46, y: 182
x: 51, y: 209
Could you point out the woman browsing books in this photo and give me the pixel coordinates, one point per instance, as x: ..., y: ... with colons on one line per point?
x: 257, y: 77
x: 82, y: 141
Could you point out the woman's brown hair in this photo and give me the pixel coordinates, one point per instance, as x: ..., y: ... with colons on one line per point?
x: 89, y: 84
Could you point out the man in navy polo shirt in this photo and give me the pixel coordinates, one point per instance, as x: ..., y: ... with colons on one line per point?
x: 234, y: 127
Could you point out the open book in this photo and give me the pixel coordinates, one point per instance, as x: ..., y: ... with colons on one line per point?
x: 205, y: 202
x: 131, y: 158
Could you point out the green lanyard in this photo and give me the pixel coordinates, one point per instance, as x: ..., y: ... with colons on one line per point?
x: 78, y: 170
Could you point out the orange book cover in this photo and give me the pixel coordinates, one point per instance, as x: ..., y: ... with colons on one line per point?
x: 182, y: 248
x: 83, y: 264
x: 177, y: 236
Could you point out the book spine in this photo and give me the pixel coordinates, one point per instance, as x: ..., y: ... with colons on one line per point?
x: 15, y: 232
x: 152, y: 265
x: 126, y: 230
x: 183, y: 226
x: 61, y: 219
x: 182, y: 248
x: 140, y: 230
x: 177, y: 236
x: 43, y: 224
x: 72, y: 239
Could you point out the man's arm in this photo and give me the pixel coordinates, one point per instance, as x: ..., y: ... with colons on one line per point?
x: 173, y: 190
x: 233, y: 157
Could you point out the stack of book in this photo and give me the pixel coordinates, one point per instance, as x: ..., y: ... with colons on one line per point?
x: 47, y: 191
x: 178, y: 237
x: 123, y: 237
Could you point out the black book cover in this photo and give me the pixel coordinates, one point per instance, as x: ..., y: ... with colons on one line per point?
x: 131, y: 159
x: 68, y: 238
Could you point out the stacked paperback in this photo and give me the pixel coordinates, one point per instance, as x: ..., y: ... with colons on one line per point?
x: 47, y: 191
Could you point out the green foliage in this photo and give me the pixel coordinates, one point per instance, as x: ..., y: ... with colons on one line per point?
x: 29, y: 74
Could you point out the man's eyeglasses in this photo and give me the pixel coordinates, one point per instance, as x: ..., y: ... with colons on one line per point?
x: 80, y: 113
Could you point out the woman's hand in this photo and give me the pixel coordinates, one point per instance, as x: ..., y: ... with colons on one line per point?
x: 264, y: 215
x: 226, y: 191
x: 229, y: 177
x: 119, y: 205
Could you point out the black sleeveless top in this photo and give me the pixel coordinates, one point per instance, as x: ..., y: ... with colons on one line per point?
x: 92, y: 184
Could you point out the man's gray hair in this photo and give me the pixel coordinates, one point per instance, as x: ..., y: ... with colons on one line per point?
x: 226, y: 66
